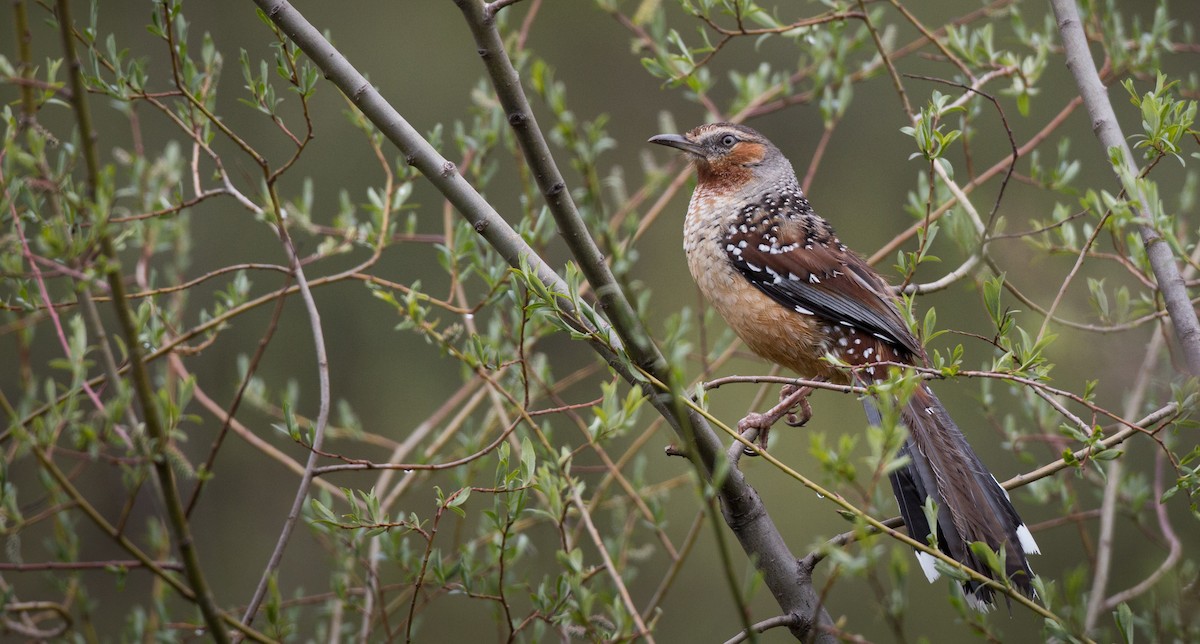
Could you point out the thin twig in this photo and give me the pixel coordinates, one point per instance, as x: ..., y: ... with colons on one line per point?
x: 268, y: 450
x: 764, y: 626
x: 897, y: 84
x: 50, y: 310
x: 618, y: 582
x: 115, y: 564
x: 1113, y: 477
x: 1070, y: 277
x: 259, y: 351
x: 1174, y: 546
x: 889, y: 248
x: 318, y: 435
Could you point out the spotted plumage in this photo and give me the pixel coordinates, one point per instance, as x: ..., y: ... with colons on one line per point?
x: 797, y: 296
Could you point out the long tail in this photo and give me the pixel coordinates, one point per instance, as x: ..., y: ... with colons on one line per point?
x: 971, y: 504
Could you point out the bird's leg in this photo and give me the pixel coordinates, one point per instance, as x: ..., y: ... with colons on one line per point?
x: 790, y: 397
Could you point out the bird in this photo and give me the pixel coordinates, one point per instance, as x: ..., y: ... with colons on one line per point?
x: 800, y: 298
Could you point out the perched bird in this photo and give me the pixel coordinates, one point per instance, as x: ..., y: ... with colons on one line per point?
x: 795, y: 294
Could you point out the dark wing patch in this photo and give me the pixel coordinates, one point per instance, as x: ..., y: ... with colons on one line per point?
x: 796, y: 260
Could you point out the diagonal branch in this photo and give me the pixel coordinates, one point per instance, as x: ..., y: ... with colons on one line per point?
x: 507, y: 83
x: 616, y: 305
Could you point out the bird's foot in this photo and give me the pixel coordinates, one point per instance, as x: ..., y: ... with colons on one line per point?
x: 756, y: 428
x: 801, y: 411
x: 793, y: 408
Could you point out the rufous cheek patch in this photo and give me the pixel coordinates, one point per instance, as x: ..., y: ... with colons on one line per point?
x: 747, y: 153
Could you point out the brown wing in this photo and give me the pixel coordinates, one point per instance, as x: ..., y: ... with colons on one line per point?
x: 790, y: 254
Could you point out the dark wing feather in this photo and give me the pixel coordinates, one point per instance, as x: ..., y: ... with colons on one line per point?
x: 798, y: 262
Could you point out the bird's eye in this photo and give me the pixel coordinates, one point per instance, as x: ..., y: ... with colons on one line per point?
x: 728, y: 140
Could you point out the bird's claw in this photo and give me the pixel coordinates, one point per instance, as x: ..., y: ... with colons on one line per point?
x: 801, y: 419
x: 798, y: 396
x: 756, y: 428
x: 791, y: 399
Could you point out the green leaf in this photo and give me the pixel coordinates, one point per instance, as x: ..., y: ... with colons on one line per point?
x: 1124, y: 618
x: 989, y: 556
x: 528, y: 461
x: 456, y: 501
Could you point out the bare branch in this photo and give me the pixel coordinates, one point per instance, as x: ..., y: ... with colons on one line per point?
x: 1174, y: 546
x: 318, y: 435
x: 789, y: 621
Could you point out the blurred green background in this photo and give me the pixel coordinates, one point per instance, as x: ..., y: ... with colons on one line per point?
x: 421, y: 56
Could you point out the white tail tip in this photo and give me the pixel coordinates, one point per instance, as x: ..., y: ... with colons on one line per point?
x: 1027, y: 542
x: 927, y: 566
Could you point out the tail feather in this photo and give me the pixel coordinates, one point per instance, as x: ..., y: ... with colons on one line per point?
x: 972, y: 506
x: 910, y: 496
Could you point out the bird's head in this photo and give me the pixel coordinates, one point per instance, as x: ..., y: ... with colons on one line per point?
x: 727, y: 155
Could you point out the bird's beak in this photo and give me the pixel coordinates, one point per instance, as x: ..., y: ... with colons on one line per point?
x: 679, y: 142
